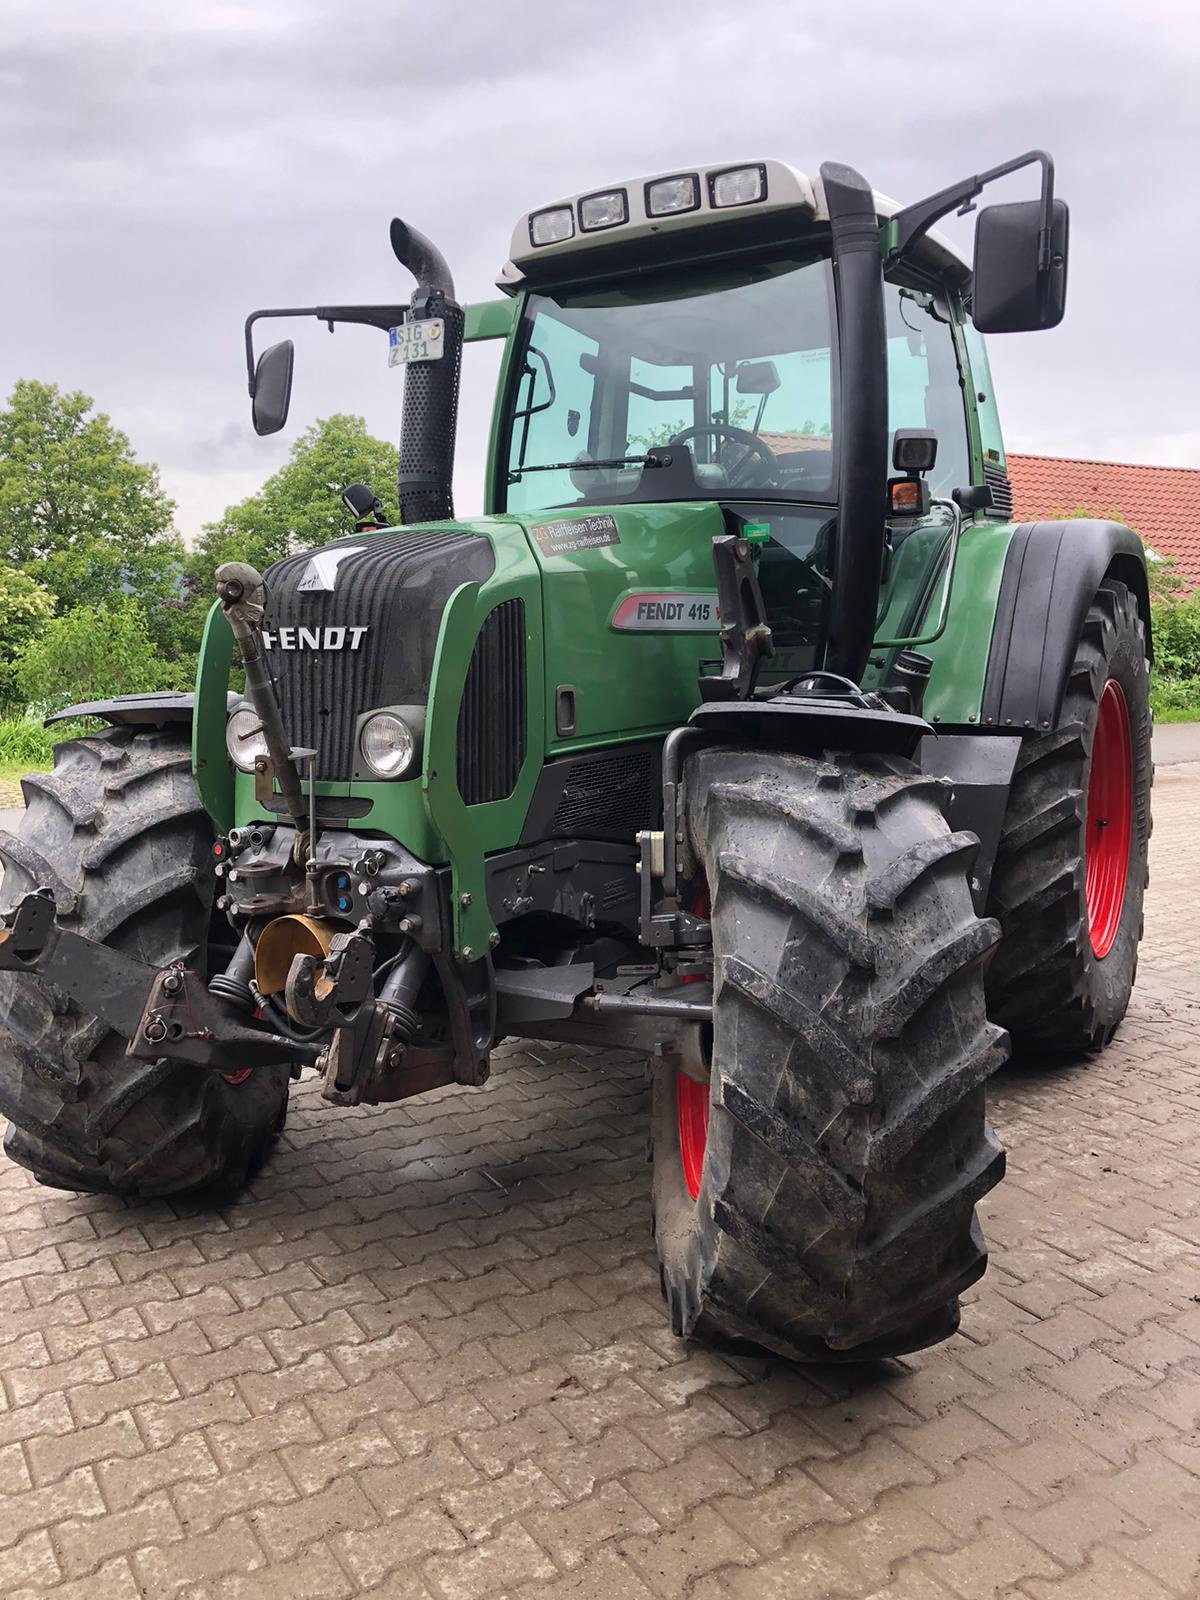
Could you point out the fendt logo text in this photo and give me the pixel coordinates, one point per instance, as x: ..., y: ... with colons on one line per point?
x: 313, y: 639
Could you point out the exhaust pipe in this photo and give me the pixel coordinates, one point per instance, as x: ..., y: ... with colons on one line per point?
x: 424, y: 482
x: 862, y: 427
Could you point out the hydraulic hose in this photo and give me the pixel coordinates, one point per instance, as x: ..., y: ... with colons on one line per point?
x: 243, y: 597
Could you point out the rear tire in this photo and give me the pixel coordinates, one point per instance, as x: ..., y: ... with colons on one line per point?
x: 118, y: 833
x: 1069, y: 906
x: 834, y: 1213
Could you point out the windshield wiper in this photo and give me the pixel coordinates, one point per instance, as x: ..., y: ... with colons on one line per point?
x: 652, y: 460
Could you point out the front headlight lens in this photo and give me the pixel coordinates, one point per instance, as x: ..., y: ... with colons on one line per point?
x: 740, y: 186
x: 553, y: 226
x: 387, y: 743
x: 603, y: 210
x: 244, y: 738
x: 669, y: 196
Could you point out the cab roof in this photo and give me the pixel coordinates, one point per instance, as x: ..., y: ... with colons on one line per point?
x: 641, y: 235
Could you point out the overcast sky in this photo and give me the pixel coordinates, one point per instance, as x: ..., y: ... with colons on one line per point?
x: 168, y: 167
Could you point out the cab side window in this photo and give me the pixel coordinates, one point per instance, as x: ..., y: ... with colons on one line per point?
x: 924, y: 385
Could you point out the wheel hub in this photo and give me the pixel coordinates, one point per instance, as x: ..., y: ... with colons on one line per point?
x: 1109, y: 820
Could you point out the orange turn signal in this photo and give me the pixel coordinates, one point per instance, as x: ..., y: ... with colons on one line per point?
x: 907, y: 497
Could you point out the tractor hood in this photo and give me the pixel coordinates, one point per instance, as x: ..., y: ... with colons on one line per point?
x: 353, y: 626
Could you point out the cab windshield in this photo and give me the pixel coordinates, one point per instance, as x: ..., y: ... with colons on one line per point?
x: 713, y: 385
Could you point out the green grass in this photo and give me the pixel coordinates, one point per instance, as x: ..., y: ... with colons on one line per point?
x: 1175, y: 699
x: 25, y: 746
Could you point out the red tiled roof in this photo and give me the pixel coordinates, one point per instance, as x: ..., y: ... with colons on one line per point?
x: 1161, y: 503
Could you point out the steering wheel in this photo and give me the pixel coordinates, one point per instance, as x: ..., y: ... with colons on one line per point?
x: 754, y: 447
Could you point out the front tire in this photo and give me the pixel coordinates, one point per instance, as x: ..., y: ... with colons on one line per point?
x: 832, y: 1214
x: 117, y: 832
x: 1072, y: 865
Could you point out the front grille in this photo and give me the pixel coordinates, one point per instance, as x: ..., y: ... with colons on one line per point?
x: 609, y: 794
x: 492, y: 720
x: 1002, y: 495
x: 395, y: 586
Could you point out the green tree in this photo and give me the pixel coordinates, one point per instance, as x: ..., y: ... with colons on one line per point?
x: 300, y: 505
x: 78, y: 512
x: 92, y: 651
x: 25, y: 608
x: 297, y: 507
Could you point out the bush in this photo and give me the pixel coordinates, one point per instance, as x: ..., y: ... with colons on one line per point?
x: 25, y: 608
x: 88, y: 653
x: 1176, y: 625
x: 1175, y: 699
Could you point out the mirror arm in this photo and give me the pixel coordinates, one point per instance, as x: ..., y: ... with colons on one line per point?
x: 383, y: 317
x: 916, y: 220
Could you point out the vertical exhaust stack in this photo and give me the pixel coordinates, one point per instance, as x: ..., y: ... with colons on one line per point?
x: 862, y: 425
x: 425, y: 478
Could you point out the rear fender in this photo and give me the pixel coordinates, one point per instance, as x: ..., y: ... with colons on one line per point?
x: 1051, y: 574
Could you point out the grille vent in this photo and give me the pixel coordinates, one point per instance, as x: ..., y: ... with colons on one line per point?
x: 395, y: 586
x: 611, y: 794
x: 1002, y: 495
x: 493, y: 721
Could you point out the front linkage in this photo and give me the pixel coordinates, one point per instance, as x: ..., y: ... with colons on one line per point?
x: 165, y: 1011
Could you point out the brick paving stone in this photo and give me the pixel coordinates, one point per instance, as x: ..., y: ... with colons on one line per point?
x: 375, y: 1371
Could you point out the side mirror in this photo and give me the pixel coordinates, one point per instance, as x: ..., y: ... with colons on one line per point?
x: 271, y: 394
x: 757, y: 377
x: 1014, y: 290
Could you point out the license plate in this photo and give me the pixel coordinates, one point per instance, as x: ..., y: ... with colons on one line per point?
x: 416, y: 341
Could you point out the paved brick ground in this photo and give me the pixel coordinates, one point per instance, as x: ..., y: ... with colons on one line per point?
x: 425, y: 1358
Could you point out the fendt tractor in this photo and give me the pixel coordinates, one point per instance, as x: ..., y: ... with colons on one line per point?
x: 745, y: 729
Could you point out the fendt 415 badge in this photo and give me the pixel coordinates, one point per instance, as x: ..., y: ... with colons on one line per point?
x: 744, y: 728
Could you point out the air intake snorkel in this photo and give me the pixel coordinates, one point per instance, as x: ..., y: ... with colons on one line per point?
x: 862, y: 424
x: 424, y: 481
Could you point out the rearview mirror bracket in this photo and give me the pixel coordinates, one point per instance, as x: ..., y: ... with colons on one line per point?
x: 916, y: 220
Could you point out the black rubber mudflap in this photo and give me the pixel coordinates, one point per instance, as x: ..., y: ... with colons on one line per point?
x: 118, y: 833
x: 847, y: 1141
x: 1046, y: 984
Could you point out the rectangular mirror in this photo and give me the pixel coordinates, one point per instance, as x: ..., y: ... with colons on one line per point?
x: 1009, y: 293
x: 272, y: 394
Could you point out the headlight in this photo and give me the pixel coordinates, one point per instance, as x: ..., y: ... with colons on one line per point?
x: 388, y: 745
x: 244, y: 738
x: 668, y: 196
x: 740, y: 186
x: 553, y: 226
x: 607, y: 210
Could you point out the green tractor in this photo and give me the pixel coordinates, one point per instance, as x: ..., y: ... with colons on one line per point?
x: 745, y: 730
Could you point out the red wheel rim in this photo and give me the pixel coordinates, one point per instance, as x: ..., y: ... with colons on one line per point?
x: 1109, y: 819
x: 691, y: 1098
